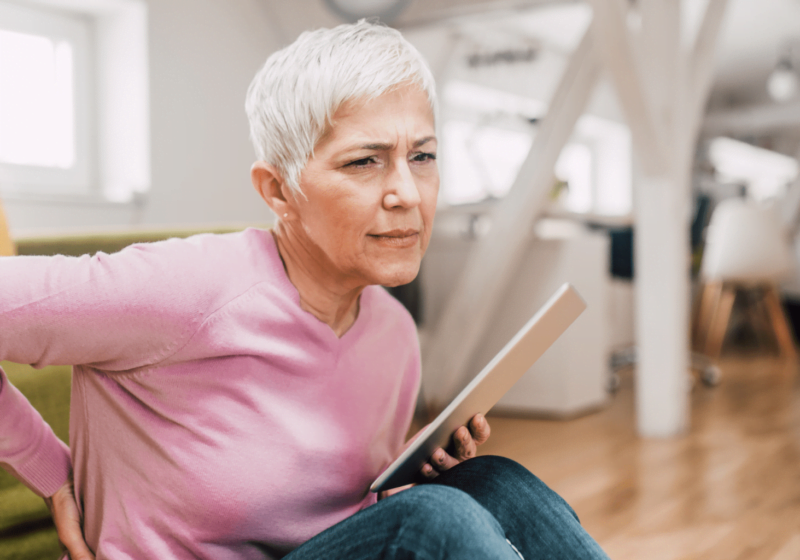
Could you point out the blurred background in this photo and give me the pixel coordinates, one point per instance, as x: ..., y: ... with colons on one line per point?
x: 644, y: 150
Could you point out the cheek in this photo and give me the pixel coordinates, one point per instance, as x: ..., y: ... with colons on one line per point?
x: 429, y: 196
x: 342, y: 221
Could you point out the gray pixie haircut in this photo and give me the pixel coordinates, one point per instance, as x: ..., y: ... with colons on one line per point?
x: 292, y: 99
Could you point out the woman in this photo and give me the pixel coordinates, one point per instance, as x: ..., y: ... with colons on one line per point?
x: 236, y: 395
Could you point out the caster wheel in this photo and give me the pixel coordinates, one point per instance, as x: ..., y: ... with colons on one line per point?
x: 711, y: 376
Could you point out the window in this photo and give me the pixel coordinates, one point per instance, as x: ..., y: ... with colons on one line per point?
x: 487, y: 134
x: 37, y: 113
x: 481, y: 161
x: 74, y: 111
x: 44, y: 98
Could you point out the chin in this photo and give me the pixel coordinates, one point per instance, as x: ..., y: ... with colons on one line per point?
x: 397, y: 276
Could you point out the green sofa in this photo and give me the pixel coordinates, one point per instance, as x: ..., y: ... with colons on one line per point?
x: 26, y: 529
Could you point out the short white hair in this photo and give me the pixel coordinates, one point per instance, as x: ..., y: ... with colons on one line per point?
x: 292, y: 99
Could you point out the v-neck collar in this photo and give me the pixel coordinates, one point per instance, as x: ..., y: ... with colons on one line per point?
x: 325, y: 330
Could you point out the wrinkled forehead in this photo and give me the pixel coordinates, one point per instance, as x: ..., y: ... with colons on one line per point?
x: 402, y: 113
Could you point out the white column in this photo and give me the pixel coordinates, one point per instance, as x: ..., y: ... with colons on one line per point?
x: 661, y: 249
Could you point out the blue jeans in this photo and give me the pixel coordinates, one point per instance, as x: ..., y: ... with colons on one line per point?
x: 487, y: 508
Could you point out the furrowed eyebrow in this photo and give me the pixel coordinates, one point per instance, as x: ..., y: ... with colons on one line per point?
x: 383, y: 146
x: 422, y: 141
x: 377, y: 146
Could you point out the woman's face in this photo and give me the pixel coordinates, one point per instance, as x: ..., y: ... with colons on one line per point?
x: 371, y: 188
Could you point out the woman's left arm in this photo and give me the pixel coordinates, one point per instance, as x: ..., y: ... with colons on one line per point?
x: 466, y: 440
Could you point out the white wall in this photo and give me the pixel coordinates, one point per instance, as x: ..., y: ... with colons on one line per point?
x: 202, y: 55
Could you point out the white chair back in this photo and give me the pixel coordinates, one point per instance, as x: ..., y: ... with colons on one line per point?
x: 746, y: 242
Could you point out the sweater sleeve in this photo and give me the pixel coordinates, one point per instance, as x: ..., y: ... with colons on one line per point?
x: 29, y: 449
x: 111, y: 312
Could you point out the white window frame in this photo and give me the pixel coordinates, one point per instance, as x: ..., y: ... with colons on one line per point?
x: 77, y: 31
x: 117, y: 127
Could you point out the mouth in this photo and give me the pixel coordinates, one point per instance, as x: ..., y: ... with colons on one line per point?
x: 397, y: 238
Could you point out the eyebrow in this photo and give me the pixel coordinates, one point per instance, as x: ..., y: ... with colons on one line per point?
x: 382, y: 146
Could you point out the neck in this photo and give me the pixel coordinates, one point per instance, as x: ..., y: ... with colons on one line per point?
x: 324, y: 292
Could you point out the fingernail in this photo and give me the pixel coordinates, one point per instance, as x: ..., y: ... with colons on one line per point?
x: 439, y: 456
x: 427, y: 468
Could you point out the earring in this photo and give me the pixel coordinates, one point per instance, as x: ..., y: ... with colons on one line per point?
x: 286, y: 215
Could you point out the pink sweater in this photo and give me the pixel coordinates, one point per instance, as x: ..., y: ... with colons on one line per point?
x: 211, y: 417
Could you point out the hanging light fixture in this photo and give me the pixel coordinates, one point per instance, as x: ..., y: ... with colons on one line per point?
x: 783, y: 83
x: 353, y: 10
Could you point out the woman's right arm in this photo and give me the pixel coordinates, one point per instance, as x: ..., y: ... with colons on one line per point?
x: 29, y: 449
x: 113, y: 312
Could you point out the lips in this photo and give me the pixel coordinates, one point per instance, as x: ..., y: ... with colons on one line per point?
x: 396, y: 233
x: 397, y: 238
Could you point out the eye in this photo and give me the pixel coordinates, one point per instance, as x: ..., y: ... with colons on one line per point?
x: 423, y: 157
x: 363, y: 162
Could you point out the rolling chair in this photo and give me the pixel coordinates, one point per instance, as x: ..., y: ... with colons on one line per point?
x: 747, y: 251
x: 622, y: 266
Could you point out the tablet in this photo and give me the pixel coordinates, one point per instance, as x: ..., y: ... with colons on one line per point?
x: 483, y: 392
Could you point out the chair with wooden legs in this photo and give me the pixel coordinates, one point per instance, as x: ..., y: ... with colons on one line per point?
x: 746, y: 251
x: 7, y: 247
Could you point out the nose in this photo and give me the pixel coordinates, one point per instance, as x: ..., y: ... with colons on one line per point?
x: 402, y: 191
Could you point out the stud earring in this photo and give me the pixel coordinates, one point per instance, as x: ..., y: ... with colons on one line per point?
x: 286, y: 215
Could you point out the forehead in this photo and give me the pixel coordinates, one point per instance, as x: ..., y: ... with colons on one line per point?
x: 402, y: 111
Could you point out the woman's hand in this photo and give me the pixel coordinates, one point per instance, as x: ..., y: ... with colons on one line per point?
x: 64, y: 510
x: 466, y: 446
x: 466, y: 442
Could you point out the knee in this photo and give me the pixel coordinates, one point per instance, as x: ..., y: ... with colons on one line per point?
x: 500, y: 476
x: 429, y: 501
x: 439, y: 509
x: 435, y: 518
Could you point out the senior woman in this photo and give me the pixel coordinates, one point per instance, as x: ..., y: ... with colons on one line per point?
x: 234, y: 396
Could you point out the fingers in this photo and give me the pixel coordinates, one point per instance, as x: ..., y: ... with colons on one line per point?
x: 465, y: 446
x: 466, y: 441
x: 72, y: 538
x: 68, y: 523
x: 428, y: 472
x: 439, y: 462
x: 479, y: 429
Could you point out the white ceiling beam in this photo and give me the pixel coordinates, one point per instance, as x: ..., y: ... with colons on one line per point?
x: 424, y: 13
x: 757, y: 119
x: 448, y: 355
x: 613, y: 40
x: 660, y: 65
x: 701, y: 74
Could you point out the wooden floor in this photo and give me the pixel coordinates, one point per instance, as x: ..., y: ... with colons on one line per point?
x: 728, y: 490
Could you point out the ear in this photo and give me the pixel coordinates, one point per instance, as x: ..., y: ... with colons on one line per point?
x: 269, y: 184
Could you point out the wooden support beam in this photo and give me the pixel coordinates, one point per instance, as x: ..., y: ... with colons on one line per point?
x: 447, y: 360
x: 614, y: 43
x: 7, y: 247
